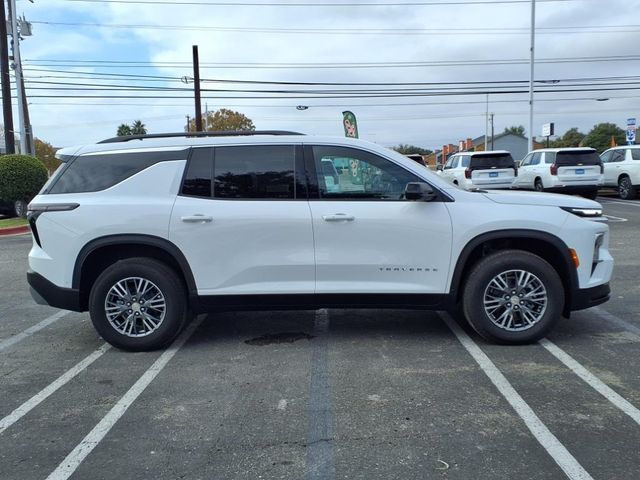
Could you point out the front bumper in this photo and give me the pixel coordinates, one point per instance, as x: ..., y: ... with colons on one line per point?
x: 590, y: 297
x: 45, y: 292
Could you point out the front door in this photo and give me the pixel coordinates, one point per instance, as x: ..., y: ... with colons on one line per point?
x: 368, y: 237
x: 242, y: 221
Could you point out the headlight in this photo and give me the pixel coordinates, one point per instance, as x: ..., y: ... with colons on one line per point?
x: 584, y: 212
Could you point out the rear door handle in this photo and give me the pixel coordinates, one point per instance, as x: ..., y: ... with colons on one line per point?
x: 338, y: 217
x: 197, y: 218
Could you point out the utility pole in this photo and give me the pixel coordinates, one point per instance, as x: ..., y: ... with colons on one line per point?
x: 486, y: 127
x: 196, y: 88
x: 7, y: 113
x: 188, y: 123
x: 17, y: 69
x: 492, y: 147
x: 532, y: 61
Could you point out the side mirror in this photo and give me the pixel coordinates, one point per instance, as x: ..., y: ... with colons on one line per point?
x: 419, y: 191
x: 440, y: 167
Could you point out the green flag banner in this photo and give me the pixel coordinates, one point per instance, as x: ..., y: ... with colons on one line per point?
x: 350, y: 124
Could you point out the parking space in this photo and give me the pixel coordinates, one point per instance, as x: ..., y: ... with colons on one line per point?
x: 323, y: 394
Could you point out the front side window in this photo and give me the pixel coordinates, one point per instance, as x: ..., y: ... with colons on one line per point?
x: 527, y: 160
x: 606, y: 156
x: 450, y: 162
x: 254, y: 172
x: 535, y: 160
x: 617, y: 156
x: 360, y: 175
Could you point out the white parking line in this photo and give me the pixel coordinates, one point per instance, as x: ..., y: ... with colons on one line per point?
x: 615, y: 320
x: 95, y: 436
x: 549, y: 442
x: 621, y: 202
x: 7, y: 342
x: 34, y: 401
x: 615, y: 219
x: 591, y: 380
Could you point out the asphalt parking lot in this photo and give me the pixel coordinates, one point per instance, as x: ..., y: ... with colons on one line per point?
x: 329, y: 394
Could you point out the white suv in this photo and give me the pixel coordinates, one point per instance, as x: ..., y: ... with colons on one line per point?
x: 622, y: 170
x: 143, y: 232
x: 562, y: 170
x: 469, y: 170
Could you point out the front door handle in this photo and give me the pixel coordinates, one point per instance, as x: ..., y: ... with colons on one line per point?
x: 338, y: 217
x: 197, y: 218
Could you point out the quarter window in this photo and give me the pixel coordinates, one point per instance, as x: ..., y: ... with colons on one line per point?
x: 254, y: 172
x: 360, y: 175
x: 95, y: 172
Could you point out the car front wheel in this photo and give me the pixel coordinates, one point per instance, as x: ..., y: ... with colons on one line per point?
x: 513, y: 297
x: 138, y: 304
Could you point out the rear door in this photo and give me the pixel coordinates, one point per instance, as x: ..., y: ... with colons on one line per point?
x: 523, y: 180
x: 578, y: 167
x: 368, y: 237
x: 242, y: 220
x: 492, y: 170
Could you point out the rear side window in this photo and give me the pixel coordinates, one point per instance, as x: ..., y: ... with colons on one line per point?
x: 197, y: 180
x: 255, y: 172
x: 575, y: 158
x: 635, y: 153
x: 95, y: 172
x: 492, y: 160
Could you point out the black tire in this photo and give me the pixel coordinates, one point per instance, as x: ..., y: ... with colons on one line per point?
x: 163, y: 280
x: 20, y: 208
x: 477, y: 285
x: 626, y: 190
x: 537, y: 185
x: 590, y: 194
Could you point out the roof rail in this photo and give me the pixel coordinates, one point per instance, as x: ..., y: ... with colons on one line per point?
x: 221, y: 133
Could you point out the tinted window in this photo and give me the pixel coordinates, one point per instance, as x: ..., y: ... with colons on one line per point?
x: 535, y: 160
x: 450, y: 162
x: 617, y: 156
x: 91, y: 173
x: 526, y: 160
x: 606, y: 156
x: 578, y: 157
x: 635, y: 153
x: 503, y: 160
x: 261, y: 172
x: 361, y: 175
x: 197, y: 180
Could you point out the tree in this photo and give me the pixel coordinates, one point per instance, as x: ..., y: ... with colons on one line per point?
x: 516, y: 130
x: 571, y: 138
x: 600, y: 136
x: 21, y: 177
x: 138, y: 128
x: 223, y: 119
x: 407, y: 149
x: 46, y: 153
x: 123, y: 130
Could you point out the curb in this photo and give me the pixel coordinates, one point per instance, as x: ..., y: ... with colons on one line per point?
x: 14, y: 230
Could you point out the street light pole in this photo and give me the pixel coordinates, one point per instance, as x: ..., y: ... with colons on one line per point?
x: 17, y: 68
x: 532, y: 61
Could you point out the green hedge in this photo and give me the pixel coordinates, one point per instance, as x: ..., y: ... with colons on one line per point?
x: 21, y: 177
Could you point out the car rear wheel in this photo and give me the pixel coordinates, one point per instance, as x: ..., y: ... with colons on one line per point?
x: 537, y: 185
x: 512, y: 297
x: 20, y: 208
x: 625, y: 189
x: 138, y: 304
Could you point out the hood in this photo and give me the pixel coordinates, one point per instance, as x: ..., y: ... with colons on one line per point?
x: 539, y: 198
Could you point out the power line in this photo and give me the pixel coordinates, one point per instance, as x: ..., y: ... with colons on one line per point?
x: 317, y: 4
x: 585, y: 29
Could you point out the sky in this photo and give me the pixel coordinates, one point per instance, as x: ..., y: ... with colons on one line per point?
x: 447, y: 54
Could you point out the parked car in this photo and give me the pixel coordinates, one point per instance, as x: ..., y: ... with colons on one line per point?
x: 143, y: 231
x: 13, y: 209
x: 622, y: 170
x: 562, y: 170
x: 492, y: 169
x: 416, y: 157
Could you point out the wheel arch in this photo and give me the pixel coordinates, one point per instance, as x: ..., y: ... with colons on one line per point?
x: 545, y: 245
x: 101, y: 252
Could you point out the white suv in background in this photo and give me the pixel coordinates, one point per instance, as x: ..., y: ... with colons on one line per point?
x: 143, y: 231
x: 562, y: 170
x: 468, y: 170
x: 622, y: 170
